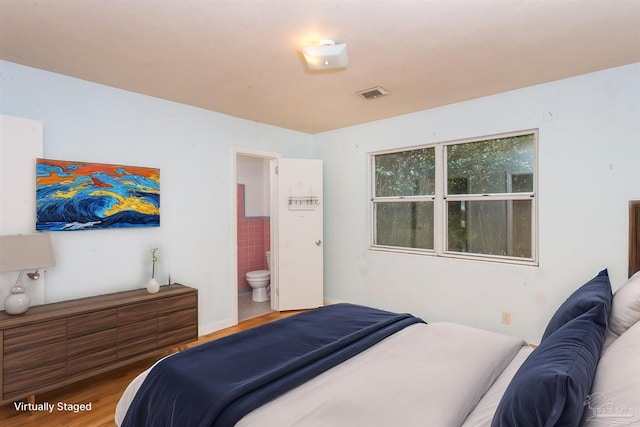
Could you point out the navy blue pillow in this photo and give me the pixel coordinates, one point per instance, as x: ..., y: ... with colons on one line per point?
x: 596, y: 291
x: 551, y: 386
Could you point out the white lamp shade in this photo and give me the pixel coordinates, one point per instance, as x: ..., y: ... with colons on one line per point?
x: 26, y: 251
x: 326, y: 56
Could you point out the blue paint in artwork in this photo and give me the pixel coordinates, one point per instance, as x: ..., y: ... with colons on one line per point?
x: 80, y: 196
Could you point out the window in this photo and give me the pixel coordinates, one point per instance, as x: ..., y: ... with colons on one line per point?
x: 472, y: 198
x: 404, y: 193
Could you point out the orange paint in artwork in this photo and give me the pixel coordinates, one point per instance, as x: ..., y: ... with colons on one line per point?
x: 88, y: 169
x: 98, y: 183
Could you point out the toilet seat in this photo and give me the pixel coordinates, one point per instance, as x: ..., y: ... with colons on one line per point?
x: 258, y: 274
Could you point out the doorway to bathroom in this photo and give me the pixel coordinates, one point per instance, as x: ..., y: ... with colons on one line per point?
x: 279, y: 210
x: 253, y: 233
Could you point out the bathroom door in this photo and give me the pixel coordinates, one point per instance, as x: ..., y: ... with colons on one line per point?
x: 298, y: 242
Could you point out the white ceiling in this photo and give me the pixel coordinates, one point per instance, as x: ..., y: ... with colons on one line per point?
x: 242, y: 57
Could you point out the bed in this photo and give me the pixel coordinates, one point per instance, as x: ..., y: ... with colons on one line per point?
x: 350, y: 365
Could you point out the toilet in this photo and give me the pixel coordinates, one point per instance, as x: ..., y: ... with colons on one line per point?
x: 259, y: 282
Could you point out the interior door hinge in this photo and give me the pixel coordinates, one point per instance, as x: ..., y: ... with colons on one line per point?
x: 277, y: 169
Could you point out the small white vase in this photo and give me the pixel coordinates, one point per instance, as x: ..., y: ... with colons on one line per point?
x: 153, y: 286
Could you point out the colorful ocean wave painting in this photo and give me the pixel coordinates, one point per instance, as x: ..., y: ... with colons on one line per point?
x: 84, y: 196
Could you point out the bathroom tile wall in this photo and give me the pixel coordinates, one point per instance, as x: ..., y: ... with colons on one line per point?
x: 254, y: 240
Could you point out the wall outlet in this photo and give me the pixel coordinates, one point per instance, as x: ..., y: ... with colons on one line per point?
x: 506, y: 317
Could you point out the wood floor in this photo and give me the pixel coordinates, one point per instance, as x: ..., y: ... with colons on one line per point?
x: 104, y: 391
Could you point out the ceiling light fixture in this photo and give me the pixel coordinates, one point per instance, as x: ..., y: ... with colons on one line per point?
x: 327, y: 55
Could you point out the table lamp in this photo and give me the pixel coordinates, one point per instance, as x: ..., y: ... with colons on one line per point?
x: 24, y: 252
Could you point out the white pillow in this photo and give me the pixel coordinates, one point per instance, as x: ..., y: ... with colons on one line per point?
x: 625, y: 310
x: 615, y: 394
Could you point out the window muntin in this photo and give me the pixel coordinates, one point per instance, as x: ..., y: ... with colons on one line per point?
x: 485, y: 207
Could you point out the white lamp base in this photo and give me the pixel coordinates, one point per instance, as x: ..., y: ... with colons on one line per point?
x: 17, y: 302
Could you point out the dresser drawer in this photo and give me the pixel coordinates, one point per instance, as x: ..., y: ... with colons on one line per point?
x: 137, y: 338
x: 22, y: 383
x: 177, y: 320
x: 178, y: 336
x: 96, y: 359
x: 166, y: 305
x: 23, y: 337
x: 92, y: 322
x: 88, y: 344
x: 137, y: 312
x: 40, y: 355
x: 139, y: 346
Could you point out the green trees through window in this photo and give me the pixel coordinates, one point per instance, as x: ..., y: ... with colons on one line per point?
x: 478, y: 201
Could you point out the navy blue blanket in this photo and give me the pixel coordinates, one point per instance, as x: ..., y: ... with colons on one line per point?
x: 217, y: 383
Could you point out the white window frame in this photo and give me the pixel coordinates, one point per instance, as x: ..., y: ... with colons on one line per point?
x: 440, y: 199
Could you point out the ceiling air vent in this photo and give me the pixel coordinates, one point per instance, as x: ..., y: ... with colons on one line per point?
x: 373, y: 93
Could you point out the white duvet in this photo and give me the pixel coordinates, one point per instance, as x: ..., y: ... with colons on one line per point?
x: 427, y: 374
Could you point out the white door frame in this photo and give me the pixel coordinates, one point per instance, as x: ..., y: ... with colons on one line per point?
x: 273, y: 157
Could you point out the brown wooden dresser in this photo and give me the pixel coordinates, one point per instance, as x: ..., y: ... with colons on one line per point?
x: 52, y: 345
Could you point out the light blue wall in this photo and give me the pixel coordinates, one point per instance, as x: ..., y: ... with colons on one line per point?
x: 589, y: 163
x: 193, y: 149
